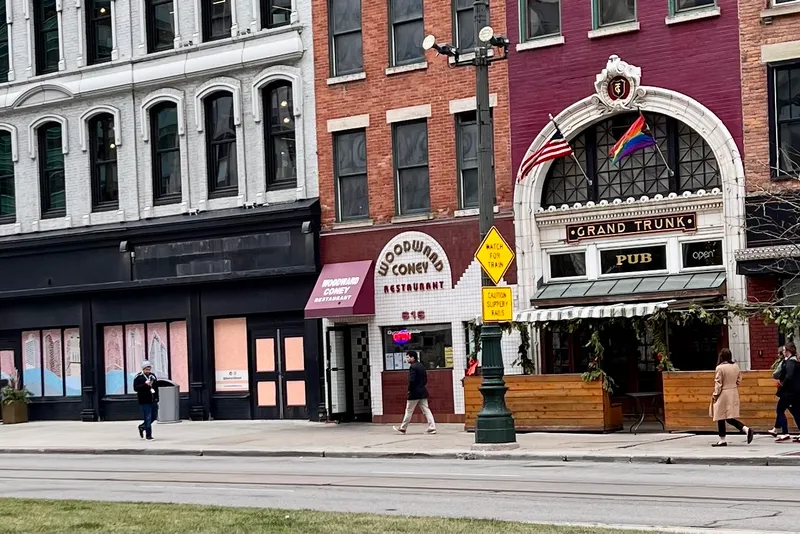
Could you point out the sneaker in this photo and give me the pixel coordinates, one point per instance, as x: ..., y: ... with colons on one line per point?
x: 781, y: 439
x: 150, y: 438
x: 749, y: 435
x: 796, y: 439
x: 141, y: 433
x: 398, y: 429
x: 720, y: 444
x: 432, y: 431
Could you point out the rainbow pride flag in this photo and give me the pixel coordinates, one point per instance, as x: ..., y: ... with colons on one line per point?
x: 636, y: 138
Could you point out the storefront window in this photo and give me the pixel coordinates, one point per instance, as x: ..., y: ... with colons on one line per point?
x: 702, y: 254
x: 163, y: 344
x: 631, y: 260
x: 52, y: 362
x: 433, y: 343
x: 230, y: 355
x: 567, y: 265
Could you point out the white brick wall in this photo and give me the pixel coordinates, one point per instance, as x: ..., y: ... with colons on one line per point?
x: 133, y: 77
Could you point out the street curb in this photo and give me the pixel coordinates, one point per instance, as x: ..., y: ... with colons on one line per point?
x: 433, y: 455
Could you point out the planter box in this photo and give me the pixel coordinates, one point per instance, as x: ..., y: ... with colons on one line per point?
x: 16, y: 412
x: 550, y: 403
x: 687, y: 395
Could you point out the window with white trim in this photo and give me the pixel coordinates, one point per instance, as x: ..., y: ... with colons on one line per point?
x: 221, y: 154
x: 344, y: 27
x: 405, y: 32
x: 217, y: 19
x: 539, y: 18
x: 350, y: 171
x: 412, y: 182
x: 99, y: 39
x: 611, y: 12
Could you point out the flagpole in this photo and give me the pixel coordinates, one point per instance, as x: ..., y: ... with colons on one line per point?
x: 578, y: 163
x: 658, y: 148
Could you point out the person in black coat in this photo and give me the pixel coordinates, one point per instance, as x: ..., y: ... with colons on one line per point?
x: 417, y: 394
x: 789, y: 390
x: 146, y: 386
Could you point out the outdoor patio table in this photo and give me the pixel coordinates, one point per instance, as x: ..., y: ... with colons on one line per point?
x: 640, y: 399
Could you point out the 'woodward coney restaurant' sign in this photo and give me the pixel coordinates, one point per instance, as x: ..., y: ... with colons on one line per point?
x: 684, y: 222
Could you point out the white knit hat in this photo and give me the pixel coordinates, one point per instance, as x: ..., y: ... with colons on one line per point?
x: 146, y: 364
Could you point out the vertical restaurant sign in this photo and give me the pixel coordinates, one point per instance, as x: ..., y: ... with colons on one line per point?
x: 412, y: 262
x: 683, y: 222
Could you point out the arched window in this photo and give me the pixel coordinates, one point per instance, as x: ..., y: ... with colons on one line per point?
x: 51, y: 170
x: 166, y: 152
x: 7, y: 194
x: 642, y: 173
x: 103, y: 154
x: 221, y: 144
x: 279, y: 133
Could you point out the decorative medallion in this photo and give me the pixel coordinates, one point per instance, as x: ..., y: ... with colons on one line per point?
x: 618, y: 86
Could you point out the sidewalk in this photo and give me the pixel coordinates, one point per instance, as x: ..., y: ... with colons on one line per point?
x: 303, y: 438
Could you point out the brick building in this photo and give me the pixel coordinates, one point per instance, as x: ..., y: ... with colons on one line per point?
x: 659, y: 229
x: 398, y: 192
x: 770, y: 52
x: 158, y: 179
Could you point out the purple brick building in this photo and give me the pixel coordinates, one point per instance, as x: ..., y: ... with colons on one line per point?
x: 658, y: 230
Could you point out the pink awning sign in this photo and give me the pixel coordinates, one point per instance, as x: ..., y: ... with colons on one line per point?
x: 343, y: 289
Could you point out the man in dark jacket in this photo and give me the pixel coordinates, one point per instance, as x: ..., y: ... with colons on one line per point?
x: 417, y: 394
x: 146, y: 386
x: 789, y: 390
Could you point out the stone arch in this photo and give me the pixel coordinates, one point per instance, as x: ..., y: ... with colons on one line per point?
x: 230, y: 85
x: 11, y: 129
x: 273, y: 74
x: 43, y: 120
x: 164, y: 95
x: 93, y: 112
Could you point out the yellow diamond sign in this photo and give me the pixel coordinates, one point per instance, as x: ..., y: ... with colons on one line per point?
x: 494, y: 255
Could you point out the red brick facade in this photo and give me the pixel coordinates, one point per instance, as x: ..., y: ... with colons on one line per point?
x: 763, y: 336
x: 436, y: 85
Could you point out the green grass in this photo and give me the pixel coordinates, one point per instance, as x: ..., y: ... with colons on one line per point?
x: 45, y: 516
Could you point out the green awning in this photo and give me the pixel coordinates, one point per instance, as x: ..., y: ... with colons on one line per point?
x: 632, y: 286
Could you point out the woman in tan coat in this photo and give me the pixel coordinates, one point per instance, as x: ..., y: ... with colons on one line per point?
x: 725, y: 400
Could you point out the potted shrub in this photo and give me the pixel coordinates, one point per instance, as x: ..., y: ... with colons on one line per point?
x: 15, y: 401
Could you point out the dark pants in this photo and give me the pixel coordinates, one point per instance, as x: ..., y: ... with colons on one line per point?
x: 780, y: 416
x: 735, y: 423
x: 149, y: 414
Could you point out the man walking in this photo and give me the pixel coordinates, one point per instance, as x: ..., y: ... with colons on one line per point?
x: 417, y: 394
x: 146, y: 386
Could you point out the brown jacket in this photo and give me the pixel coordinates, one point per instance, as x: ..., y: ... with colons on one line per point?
x: 725, y: 400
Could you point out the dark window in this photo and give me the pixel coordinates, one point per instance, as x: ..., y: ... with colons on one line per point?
x: 105, y: 192
x: 541, y: 18
x: 467, y: 144
x: 608, y: 12
x: 275, y: 13
x: 688, y: 5
x: 3, y: 44
x: 46, y: 25
x: 217, y: 19
x: 345, y: 37
x: 431, y: 342
x: 98, y: 31
x: 778, y: 2
x: 160, y: 25
x: 642, y: 173
x: 51, y: 170
x: 412, y: 189
x: 702, y: 254
x: 7, y: 195
x: 166, y: 151
x: 566, y: 265
x: 221, y: 155
x: 787, y: 120
x: 464, y: 25
x: 631, y: 260
x: 279, y: 132
x: 350, y: 152
x: 406, y: 32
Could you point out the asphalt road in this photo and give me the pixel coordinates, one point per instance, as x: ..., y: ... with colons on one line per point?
x: 721, y: 497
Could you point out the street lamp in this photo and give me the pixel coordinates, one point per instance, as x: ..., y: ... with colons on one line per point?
x: 494, y: 426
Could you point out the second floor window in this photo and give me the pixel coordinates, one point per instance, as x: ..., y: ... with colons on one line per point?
x: 350, y: 159
x: 540, y: 18
x: 103, y: 154
x: 412, y: 189
x: 279, y: 133
x: 275, y: 13
x: 406, y: 32
x: 609, y: 12
x: 221, y: 145
x: 217, y: 19
x: 160, y: 25
x: 98, y: 31
x: 467, y: 145
x: 51, y: 170
x: 787, y: 121
x: 46, y: 25
x: 166, y: 153
x: 344, y: 20
x: 7, y: 190
x: 688, y: 5
x: 464, y: 25
x: 3, y: 44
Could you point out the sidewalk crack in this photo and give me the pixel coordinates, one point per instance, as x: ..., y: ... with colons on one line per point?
x: 671, y: 438
x: 716, y: 523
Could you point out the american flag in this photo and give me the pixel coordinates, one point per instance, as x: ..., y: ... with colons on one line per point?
x: 556, y: 147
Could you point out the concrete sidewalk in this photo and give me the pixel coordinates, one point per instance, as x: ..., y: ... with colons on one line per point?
x: 302, y: 438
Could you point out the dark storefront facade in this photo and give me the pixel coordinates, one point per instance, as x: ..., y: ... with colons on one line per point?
x: 214, y: 301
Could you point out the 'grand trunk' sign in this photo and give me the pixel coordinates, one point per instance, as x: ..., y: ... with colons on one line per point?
x: 685, y: 222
